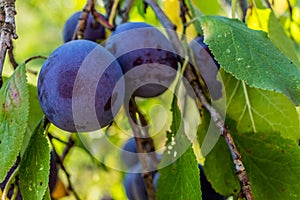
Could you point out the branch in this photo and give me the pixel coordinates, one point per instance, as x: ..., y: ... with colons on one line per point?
x: 124, y: 13
x: 11, y: 56
x: 8, y: 29
x: 144, y: 145
x: 108, y: 4
x: 235, y: 154
x: 244, y: 7
x: 81, y: 25
x: 192, y: 78
x: 101, y: 19
x: 60, y: 161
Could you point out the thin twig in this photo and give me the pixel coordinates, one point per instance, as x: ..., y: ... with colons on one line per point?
x: 268, y: 4
x: 108, y: 4
x: 60, y: 161
x: 67, y: 148
x: 183, y: 11
x: 124, y: 13
x: 34, y: 58
x: 225, y: 132
x: 101, y: 19
x: 148, y: 142
x: 192, y: 78
x: 11, y: 56
x: 81, y: 25
x: 8, y: 29
x: 290, y: 9
x: 144, y: 145
x: 244, y: 6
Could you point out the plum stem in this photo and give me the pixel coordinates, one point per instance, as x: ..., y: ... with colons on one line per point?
x: 8, y: 30
x: 144, y: 144
x: 101, y: 19
x: 81, y: 25
x: 220, y: 123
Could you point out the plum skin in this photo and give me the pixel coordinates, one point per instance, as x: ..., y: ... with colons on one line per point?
x: 207, y: 66
x: 134, y: 184
x: 129, y: 154
x: 93, y: 31
x: 146, y: 56
x: 56, y: 84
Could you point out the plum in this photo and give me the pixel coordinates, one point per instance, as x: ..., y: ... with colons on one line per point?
x: 129, y: 154
x: 94, y: 31
x: 146, y: 56
x: 53, y: 176
x: 207, y: 66
x: 80, y: 86
x: 134, y: 184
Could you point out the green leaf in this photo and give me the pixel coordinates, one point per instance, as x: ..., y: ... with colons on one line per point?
x: 47, y: 195
x: 13, y: 118
x: 35, y: 166
x: 265, y: 20
x: 140, y: 7
x: 203, y: 126
x: 271, y: 164
x: 249, y: 55
x: 219, y: 170
x: 251, y: 109
x: 35, y: 116
x: 211, y: 7
x: 181, y: 179
x: 256, y: 110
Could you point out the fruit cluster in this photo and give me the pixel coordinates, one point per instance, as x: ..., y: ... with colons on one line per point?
x: 82, y: 81
x: 83, y: 84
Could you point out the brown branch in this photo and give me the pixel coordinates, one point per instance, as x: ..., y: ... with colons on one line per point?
x: 60, y: 162
x: 81, y: 25
x: 101, y: 19
x: 11, y: 56
x: 108, y: 4
x: 225, y: 132
x: 68, y: 147
x: 192, y: 78
x: 148, y: 142
x: 124, y: 13
x: 8, y: 29
x: 183, y: 11
x: 144, y: 145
